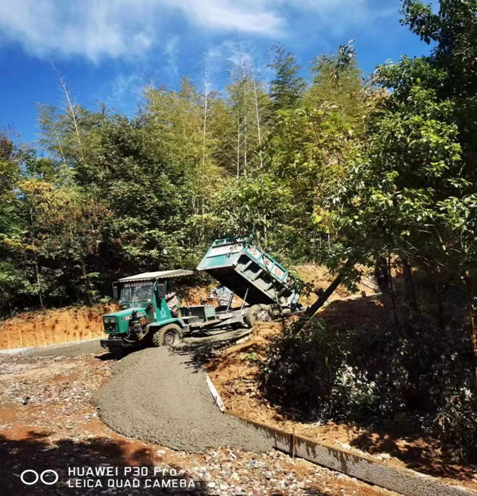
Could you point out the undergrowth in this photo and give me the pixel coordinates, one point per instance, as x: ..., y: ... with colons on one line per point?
x: 372, y: 374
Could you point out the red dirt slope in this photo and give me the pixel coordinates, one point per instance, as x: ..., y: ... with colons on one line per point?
x: 54, y: 326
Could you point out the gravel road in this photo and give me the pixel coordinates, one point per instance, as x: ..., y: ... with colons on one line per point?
x: 48, y: 421
x: 68, y: 350
x: 196, y: 344
x: 162, y: 397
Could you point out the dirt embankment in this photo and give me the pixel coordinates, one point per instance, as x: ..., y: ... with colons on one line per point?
x: 235, y: 373
x: 319, y: 277
x: 54, y: 326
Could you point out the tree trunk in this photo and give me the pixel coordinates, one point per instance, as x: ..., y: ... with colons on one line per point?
x: 391, y: 290
x: 409, y: 290
x: 381, y: 273
x: 86, y: 282
x: 37, y: 273
x: 238, y: 148
x: 322, y: 299
x: 257, y: 118
x: 440, y: 306
x: 473, y: 323
x: 72, y: 113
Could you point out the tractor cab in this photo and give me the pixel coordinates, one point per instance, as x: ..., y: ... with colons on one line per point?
x: 145, y: 305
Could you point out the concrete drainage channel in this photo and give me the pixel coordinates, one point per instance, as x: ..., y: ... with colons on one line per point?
x: 399, y: 480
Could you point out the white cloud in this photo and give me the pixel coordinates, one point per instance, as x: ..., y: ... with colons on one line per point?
x: 171, y: 49
x: 97, y: 29
x: 88, y: 27
x: 125, y: 86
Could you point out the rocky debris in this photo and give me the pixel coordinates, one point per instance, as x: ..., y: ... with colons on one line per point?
x: 63, y: 384
x: 271, y: 473
x: 160, y: 396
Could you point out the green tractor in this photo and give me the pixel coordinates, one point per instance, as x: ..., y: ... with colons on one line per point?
x: 145, y: 317
x: 151, y: 315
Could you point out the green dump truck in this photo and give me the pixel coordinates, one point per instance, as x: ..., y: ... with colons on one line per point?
x: 151, y: 313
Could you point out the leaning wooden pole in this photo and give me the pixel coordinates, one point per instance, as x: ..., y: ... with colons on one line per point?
x: 322, y: 299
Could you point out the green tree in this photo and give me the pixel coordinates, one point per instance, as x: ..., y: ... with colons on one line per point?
x: 250, y: 109
x: 338, y: 82
x: 12, y: 278
x: 287, y: 88
x: 410, y: 189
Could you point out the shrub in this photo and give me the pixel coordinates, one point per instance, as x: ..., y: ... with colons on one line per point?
x: 371, y: 374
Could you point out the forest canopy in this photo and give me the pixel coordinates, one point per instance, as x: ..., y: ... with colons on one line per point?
x: 104, y: 194
x: 336, y: 167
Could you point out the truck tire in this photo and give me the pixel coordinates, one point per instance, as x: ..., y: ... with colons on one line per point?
x: 169, y: 335
x: 258, y: 313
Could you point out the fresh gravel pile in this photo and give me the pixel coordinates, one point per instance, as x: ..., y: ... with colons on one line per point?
x: 161, y: 397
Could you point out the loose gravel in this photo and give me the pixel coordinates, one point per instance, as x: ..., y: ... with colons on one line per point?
x: 162, y: 397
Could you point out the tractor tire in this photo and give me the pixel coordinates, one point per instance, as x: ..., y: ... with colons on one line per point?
x: 116, y: 353
x: 258, y: 313
x: 169, y: 335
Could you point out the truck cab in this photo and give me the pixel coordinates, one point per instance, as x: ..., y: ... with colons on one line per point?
x: 144, y: 316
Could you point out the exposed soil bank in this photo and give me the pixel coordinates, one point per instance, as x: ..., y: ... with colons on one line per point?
x: 162, y: 397
x: 55, y: 326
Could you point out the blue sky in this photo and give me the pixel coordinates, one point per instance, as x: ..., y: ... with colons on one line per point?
x: 108, y: 50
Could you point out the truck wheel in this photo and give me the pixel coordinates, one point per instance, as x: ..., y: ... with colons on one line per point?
x: 169, y: 335
x: 258, y: 313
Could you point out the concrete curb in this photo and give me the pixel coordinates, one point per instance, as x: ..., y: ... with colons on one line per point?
x: 400, y: 480
x: 21, y: 351
x: 215, y: 394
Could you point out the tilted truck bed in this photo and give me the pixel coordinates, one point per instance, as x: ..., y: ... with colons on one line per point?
x: 250, y: 273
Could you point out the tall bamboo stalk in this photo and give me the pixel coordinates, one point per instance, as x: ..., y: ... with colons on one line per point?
x: 71, y: 111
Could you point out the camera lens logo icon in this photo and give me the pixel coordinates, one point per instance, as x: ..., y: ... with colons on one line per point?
x: 31, y: 477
